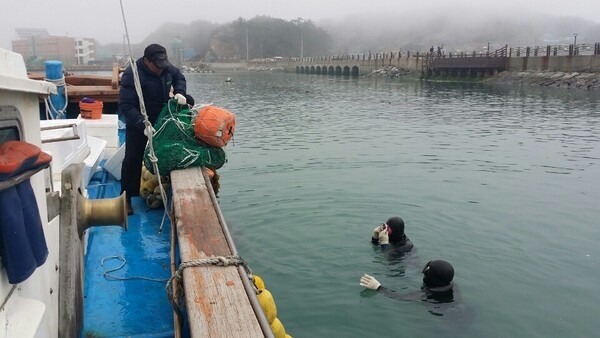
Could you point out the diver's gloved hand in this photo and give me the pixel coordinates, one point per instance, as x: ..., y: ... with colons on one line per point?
x: 384, y: 238
x: 369, y: 282
x: 149, y: 130
x: 378, y: 229
x: 181, y: 100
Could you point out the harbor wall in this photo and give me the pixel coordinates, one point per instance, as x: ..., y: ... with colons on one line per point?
x: 565, y: 63
x: 363, y: 66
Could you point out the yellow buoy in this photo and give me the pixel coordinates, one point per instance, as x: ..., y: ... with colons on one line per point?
x: 146, y: 174
x: 278, y: 329
x: 259, y: 283
x: 267, y: 303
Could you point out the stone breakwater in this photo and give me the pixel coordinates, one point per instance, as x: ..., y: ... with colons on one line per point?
x: 390, y: 72
x: 588, y: 81
x: 573, y: 80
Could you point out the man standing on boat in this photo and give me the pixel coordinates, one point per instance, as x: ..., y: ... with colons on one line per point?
x: 159, y: 79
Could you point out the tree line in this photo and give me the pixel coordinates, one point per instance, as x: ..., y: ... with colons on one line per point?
x: 241, y: 39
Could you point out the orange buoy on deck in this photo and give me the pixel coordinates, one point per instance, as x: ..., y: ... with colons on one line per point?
x: 214, y: 125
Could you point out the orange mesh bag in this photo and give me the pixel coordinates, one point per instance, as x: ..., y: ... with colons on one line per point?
x: 214, y: 125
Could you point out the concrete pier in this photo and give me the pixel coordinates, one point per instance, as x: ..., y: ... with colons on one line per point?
x: 541, y: 59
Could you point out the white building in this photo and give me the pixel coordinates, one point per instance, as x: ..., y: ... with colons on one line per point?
x: 84, y: 50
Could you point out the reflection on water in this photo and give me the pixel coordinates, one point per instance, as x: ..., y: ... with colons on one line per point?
x: 502, y: 182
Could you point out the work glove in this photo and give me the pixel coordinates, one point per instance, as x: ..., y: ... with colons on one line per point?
x: 384, y: 238
x: 149, y: 130
x: 181, y: 100
x: 378, y: 229
x: 369, y: 282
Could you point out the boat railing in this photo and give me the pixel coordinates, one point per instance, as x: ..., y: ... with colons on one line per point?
x: 72, y: 126
x: 25, y: 175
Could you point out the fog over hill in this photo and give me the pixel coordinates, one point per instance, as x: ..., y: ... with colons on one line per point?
x: 385, y: 32
x: 355, y: 25
x: 355, y: 34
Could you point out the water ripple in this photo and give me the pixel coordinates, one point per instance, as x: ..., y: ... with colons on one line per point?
x: 502, y: 182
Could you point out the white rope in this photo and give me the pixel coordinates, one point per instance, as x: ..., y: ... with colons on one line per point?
x: 212, y: 260
x: 108, y: 276
x: 50, y: 107
x: 138, y: 89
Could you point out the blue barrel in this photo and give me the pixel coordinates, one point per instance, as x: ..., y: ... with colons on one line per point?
x: 54, y: 74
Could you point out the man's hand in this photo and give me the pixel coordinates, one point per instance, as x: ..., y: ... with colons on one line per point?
x: 369, y: 282
x: 377, y: 230
x: 181, y: 100
x: 384, y: 238
x: 149, y: 130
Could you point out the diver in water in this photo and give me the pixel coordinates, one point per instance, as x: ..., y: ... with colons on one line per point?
x: 392, y: 233
x: 438, y: 289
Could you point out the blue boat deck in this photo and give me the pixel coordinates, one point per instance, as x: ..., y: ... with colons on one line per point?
x: 131, y: 301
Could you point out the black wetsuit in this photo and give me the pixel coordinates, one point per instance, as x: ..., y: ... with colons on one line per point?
x: 441, y: 301
x: 400, y: 246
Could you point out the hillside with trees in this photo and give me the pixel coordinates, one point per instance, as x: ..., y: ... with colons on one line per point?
x: 257, y: 38
x: 267, y: 37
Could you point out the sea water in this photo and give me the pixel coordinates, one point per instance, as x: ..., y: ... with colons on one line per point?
x: 503, y: 182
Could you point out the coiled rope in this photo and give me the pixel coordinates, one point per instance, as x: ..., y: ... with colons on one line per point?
x: 108, y: 276
x: 177, y: 278
x: 147, y: 124
x: 49, y: 106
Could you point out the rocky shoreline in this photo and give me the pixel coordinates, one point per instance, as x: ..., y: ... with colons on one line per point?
x: 391, y: 72
x: 587, y: 81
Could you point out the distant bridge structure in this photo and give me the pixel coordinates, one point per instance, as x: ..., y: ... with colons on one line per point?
x: 475, y: 64
x: 465, y: 65
x: 426, y: 64
x: 351, y: 65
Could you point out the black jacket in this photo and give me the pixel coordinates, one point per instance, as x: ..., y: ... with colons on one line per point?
x: 155, y: 89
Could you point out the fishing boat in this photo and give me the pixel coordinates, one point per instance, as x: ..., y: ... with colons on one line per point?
x: 95, y: 271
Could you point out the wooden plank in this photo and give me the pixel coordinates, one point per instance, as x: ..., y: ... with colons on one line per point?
x: 215, y: 297
x: 115, y: 76
x: 102, y: 88
x: 101, y: 93
x: 79, y: 80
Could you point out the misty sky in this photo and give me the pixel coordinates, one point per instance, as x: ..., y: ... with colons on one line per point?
x: 102, y: 19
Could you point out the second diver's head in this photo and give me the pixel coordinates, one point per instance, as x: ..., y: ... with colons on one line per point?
x: 396, y: 225
x: 438, y: 274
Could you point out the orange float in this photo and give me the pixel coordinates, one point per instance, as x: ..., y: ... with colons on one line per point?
x: 214, y: 125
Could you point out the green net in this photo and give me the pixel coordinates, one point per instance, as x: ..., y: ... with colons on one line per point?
x: 175, y: 144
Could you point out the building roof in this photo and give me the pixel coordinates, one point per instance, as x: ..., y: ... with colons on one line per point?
x: 27, y: 33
